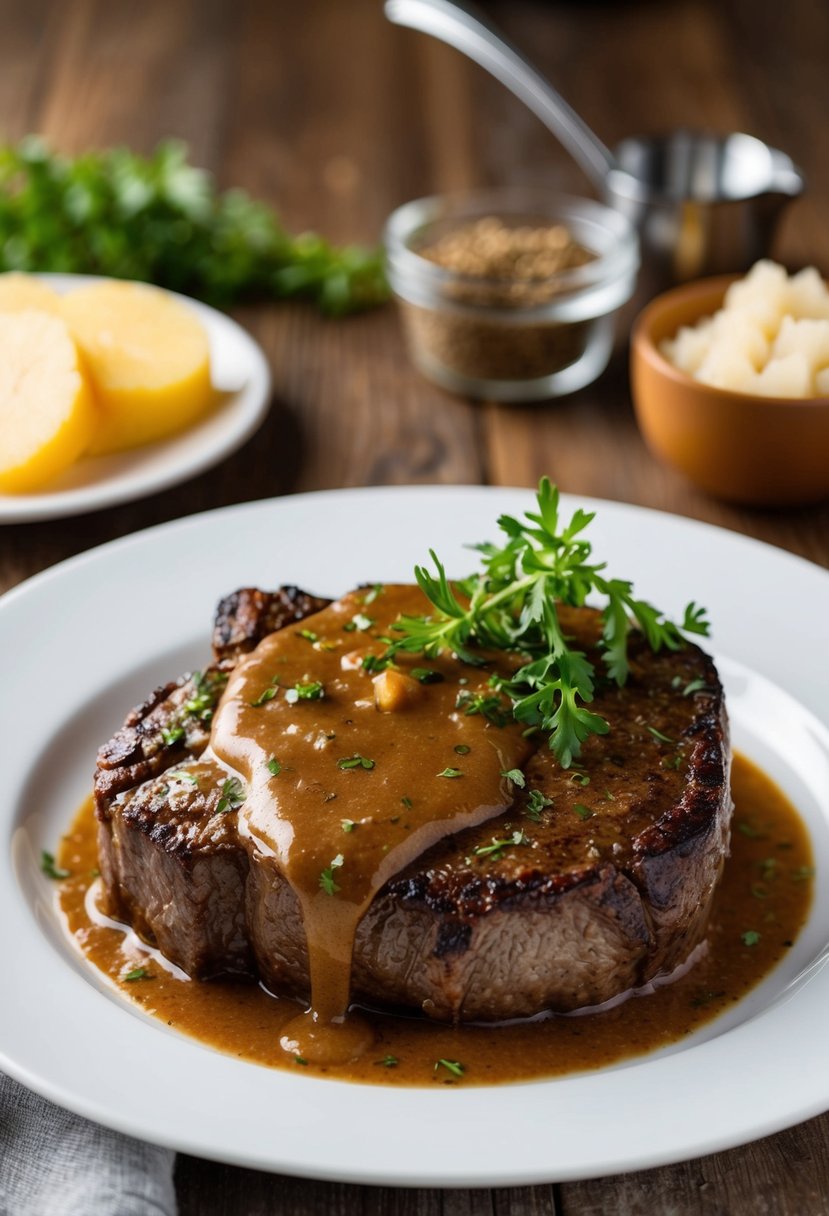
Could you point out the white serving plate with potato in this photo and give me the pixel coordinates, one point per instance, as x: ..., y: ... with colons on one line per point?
x: 241, y: 377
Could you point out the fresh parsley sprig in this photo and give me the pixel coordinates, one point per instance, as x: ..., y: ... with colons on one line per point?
x: 161, y: 219
x: 513, y: 606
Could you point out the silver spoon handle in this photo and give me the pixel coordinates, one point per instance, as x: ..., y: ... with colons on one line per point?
x: 461, y: 27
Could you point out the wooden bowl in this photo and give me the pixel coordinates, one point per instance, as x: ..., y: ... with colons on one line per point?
x: 761, y: 451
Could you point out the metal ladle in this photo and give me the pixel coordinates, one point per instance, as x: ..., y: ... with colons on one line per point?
x: 702, y: 204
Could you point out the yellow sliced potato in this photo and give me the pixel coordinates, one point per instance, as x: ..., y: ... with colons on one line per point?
x: 148, y: 360
x: 47, y: 415
x: 20, y: 291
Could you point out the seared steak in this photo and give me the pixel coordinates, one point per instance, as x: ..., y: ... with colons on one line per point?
x: 598, y: 879
x: 174, y: 870
x: 171, y: 725
x: 247, y: 616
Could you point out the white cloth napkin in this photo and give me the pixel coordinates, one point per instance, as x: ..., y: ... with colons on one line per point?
x: 53, y: 1163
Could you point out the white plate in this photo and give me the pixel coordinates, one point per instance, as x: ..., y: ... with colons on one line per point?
x: 86, y: 640
x: 239, y: 371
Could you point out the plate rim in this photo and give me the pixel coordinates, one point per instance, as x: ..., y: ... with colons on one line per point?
x: 458, y: 1100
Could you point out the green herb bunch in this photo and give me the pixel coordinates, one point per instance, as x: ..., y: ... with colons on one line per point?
x: 161, y: 220
x: 512, y: 606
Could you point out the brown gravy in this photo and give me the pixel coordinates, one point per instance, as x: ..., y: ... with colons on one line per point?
x: 759, y: 908
x: 299, y: 723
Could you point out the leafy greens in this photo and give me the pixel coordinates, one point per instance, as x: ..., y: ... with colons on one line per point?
x: 512, y: 606
x: 161, y: 220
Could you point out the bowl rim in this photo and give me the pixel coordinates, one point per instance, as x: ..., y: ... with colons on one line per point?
x: 621, y: 259
x: 643, y: 345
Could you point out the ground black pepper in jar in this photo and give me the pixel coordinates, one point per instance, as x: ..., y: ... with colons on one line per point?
x: 510, y: 302
x: 502, y: 268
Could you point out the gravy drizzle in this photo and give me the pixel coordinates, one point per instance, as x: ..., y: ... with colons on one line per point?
x: 351, y: 772
x: 759, y: 907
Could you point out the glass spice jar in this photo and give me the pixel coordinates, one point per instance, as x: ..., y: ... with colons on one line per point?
x: 510, y: 295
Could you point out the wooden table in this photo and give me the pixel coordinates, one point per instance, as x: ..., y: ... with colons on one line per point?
x: 336, y: 117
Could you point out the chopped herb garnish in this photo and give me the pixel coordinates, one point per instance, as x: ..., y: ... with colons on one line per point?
x: 748, y: 830
x: 536, y: 802
x: 200, y: 706
x: 309, y: 635
x: 180, y: 775
x: 462, y: 749
x: 496, y: 848
x: 374, y: 663
x: 580, y: 779
x: 233, y: 795
x: 768, y: 868
x: 750, y: 938
x: 355, y: 761
x: 327, y: 883
x: 657, y: 734
x: 515, y: 776
x: 803, y: 873
x: 583, y: 812
x: 672, y: 762
x: 388, y: 1062
x: 450, y: 772
x: 427, y: 675
x: 371, y: 595
x: 274, y: 767
x: 207, y: 688
x: 264, y: 697
x: 312, y: 691
x: 362, y: 622
x: 608, y: 797
x: 407, y: 802
x: 499, y: 683
x: 347, y: 825
x: 137, y: 973
x: 694, y: 686
x: 50, y: 869
x: 454, y: 1066
x: 511, y: 606
x: 301, y: 1060
x: 759, y: 891
x: 489, y: 706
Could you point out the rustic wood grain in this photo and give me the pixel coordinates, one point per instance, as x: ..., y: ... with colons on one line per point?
x: 337, y: 117
x: 783, y: 1175
x: 207, y: 1187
